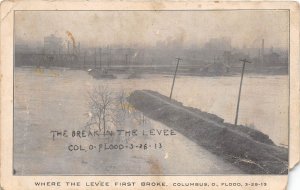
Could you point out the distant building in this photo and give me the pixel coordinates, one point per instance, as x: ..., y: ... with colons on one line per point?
x: 22, y: 48
x: 52, y: 44
x: 273, y: 59
x: 216, y: 47
x: 220, y: 44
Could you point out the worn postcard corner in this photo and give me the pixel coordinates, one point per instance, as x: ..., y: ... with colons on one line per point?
x: 132, y: 95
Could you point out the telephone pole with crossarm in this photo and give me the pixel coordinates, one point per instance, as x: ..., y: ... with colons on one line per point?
x: 240, y: 90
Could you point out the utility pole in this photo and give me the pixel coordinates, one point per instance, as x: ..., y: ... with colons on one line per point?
x: 84, y: 60
x: 78, y: 47
x: 126, y: 59
x: 95, y: 61
x: 240, y: 90
x: 178, y: 59
x: 100, y: 58
x: 108, y: 57
x: 262, y: 51
x: 68, y: 47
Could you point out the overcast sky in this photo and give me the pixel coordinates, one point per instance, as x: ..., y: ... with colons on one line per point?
x: 101, y: 28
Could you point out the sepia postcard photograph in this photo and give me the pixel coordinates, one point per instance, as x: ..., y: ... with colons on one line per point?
x: 150, y: 92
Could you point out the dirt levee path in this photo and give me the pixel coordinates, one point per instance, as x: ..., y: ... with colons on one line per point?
x: 249, y: 149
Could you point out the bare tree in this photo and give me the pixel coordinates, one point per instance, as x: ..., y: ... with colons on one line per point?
x: 101, y: 103
x: 122, y: 99
x: 120, y: 109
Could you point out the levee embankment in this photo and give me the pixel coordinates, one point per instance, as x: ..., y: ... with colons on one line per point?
x: 248, y: 149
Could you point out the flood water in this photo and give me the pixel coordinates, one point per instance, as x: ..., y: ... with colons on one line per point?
x: 56, y: 99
